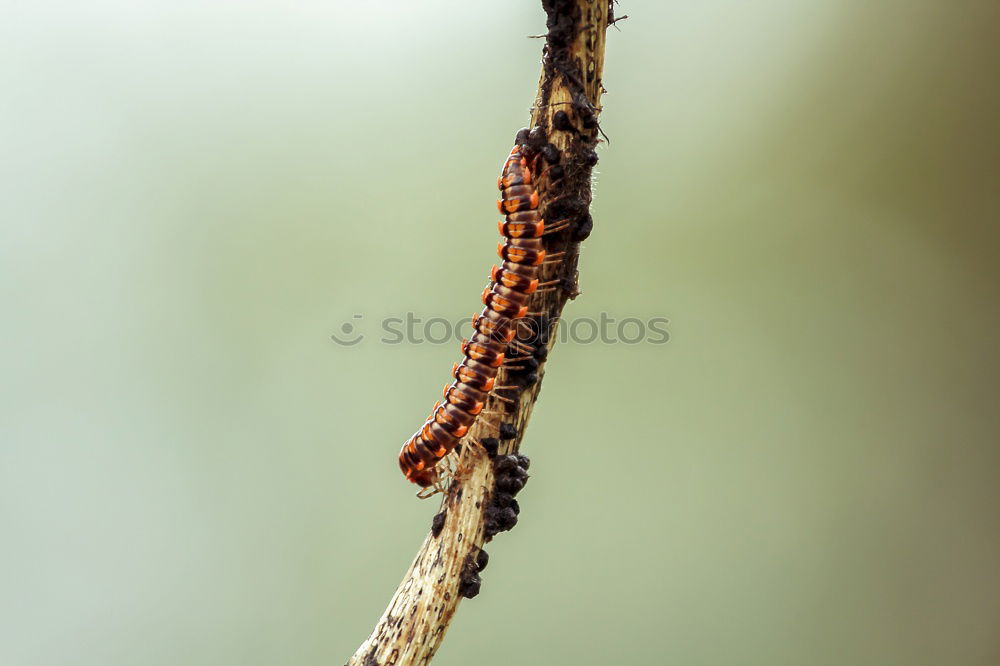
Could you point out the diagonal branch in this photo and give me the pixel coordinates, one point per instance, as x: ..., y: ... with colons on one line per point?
x: 479, y: 503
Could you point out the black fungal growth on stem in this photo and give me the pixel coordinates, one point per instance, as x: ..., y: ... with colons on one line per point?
x: 437, y: 524
x: 510, y: 475
x: 469, y: 582
x: 492, y: 445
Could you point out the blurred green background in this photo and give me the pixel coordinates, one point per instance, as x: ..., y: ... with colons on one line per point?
x: 195, y: 196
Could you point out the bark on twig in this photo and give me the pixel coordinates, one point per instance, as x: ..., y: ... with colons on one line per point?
x: 479, y: 503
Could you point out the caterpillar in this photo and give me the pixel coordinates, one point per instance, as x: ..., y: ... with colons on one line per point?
x: 505, y: 302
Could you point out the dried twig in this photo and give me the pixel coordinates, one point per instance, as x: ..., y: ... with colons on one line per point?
x: 480, y: 501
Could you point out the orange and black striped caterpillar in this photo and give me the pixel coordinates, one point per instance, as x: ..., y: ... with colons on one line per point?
x: 505, y: 301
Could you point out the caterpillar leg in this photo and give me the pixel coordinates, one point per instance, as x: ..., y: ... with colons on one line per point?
x: 554, y: 258
x: 567, y: 284
x: 520, y: 347
x: 478, y: 445
x: 556, y: 228
x: 515, y: 359
x: 492, y: 424
x: 432, y: 490
x: 445, y: 470
x: 553, y: 171
x: 500, y: 397
x: 521, y: 362
x: 466, y: 460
